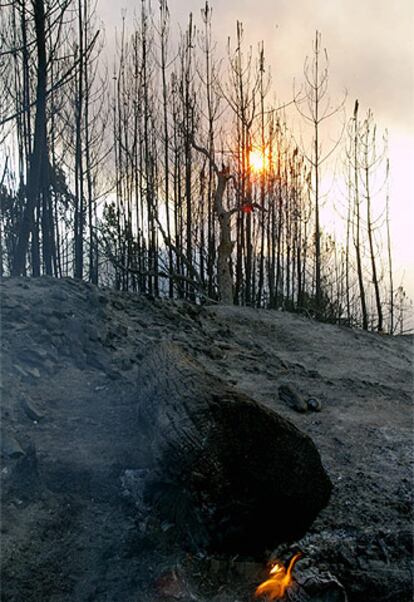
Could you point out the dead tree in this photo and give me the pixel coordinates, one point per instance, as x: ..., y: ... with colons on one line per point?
x: 368, y: 161
x: 225, y: 247
x: 357, y: 218
x: 241, y: 96
x: 389, y: 253
x: 318, y: 111
x: 163, y: 35
x: 209, y: 80
x: 39, y: 157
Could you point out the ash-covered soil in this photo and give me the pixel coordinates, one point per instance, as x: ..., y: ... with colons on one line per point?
x: 71, y: 356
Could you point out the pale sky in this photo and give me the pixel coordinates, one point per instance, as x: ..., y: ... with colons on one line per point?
x: 371, y: 52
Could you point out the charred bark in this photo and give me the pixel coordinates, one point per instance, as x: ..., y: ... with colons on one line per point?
x: 231, y: 474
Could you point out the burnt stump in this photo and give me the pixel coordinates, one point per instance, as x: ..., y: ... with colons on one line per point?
x: 229, y: 473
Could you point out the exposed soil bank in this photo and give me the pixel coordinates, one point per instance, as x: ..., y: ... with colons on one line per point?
x: 71, y: 359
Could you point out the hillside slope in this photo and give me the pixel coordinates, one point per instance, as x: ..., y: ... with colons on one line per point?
x: 71, y: 356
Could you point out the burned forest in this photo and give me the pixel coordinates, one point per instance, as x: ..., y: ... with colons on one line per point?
x: 206, y: 347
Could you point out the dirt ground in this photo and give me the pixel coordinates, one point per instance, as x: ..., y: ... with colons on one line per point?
x: 71, y: 356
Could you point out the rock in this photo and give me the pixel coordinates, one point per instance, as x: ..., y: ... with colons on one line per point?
x: 20, y: 370
x: 40, y: 353
x: 233, y: 475
x: 10, y: 446
x: 292, y: 398
x: 215, y: 353
x: 314, y: 404
x: 30, y: 411
x: 33, y: 372
x: 317, y: 586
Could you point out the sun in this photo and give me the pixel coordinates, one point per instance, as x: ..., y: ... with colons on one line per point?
x: 257, y: 160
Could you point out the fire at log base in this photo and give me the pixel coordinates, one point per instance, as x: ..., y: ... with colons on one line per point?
x: 279, y: 580
x: 308, y: 584
x: 230, y: 474
x: 234, y: 580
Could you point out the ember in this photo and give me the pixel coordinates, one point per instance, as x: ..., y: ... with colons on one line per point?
x: 247, y: 208
x: 280, y: 579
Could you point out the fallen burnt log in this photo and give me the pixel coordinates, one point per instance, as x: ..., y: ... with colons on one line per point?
x: 229, y: 473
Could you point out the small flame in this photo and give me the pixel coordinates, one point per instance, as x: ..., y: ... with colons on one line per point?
x: 280, y: 579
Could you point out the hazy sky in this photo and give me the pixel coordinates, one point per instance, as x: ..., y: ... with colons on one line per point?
x: 371, y: 51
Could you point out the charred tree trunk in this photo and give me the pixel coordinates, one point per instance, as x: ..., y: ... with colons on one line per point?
x: 230, y: 473
x: 225, y: 282
x: 357, y: 225
x: 225, y: 248
x: 39, y: 156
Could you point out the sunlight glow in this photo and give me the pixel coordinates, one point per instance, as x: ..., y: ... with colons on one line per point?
x: 257, y: 160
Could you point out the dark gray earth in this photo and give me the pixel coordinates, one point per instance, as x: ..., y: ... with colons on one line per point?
x: 71, y: 526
